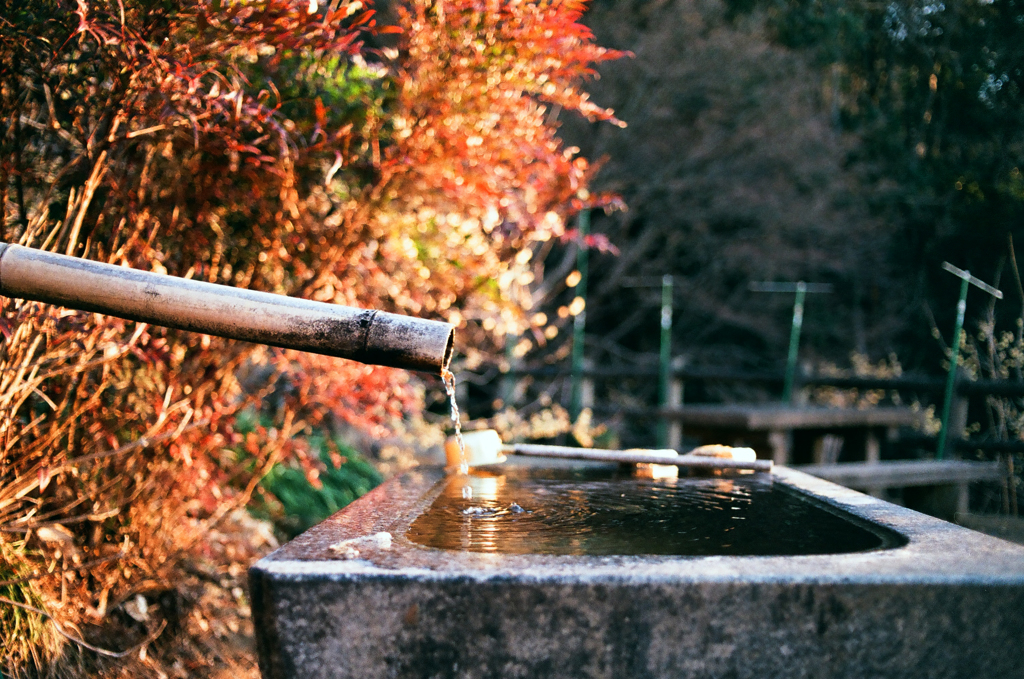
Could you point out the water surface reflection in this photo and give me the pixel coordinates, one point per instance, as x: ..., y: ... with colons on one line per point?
x: 600, y: 512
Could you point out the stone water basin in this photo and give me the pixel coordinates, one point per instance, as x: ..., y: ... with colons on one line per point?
x: 539, y: 570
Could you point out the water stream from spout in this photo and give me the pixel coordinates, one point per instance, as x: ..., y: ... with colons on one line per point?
x: 449, y: 386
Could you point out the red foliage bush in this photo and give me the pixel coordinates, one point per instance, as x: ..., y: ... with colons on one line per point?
x: 258, y: 144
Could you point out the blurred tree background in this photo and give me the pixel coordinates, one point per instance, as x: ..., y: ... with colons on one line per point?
x: 853, y: 143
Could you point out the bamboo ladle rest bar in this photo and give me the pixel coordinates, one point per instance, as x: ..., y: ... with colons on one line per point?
x: 368, y: 336
x: 485, y: 447
x: 640, y: 457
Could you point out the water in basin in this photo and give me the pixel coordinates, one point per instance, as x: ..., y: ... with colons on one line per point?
x: 599, y: 511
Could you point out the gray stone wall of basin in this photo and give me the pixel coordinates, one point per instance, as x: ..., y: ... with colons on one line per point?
x: 354, y: 597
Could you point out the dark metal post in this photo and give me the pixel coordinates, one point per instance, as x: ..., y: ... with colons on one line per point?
x: 961, y: 309
x: 794, y: 341
x: 801, y: 289
x: 665, y: 356
x: 579, y: 325
x: 675, y: 402
x: 507, y: 386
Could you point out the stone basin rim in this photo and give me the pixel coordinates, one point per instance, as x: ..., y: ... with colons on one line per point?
x: 936, y: 552
x: 950, y: 603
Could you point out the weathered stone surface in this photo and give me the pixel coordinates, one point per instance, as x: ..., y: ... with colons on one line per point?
x: 950, y: 603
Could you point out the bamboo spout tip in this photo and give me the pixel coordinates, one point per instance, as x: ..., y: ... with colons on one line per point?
x: 449, y: 349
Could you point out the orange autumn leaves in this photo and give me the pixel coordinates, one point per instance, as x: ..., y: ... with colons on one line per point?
x: 294, y: 147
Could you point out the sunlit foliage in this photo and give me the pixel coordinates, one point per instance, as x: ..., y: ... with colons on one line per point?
x: 260, y: 144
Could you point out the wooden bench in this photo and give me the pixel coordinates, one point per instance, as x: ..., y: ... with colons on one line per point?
x: 772, y: 426
x: 874, y: 477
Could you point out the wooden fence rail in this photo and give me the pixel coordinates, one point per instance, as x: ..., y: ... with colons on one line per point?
x: 965, y: 389
x: 1008, y: 388
x: 873, y: 475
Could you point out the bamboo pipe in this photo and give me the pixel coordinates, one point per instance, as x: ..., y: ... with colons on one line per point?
x: 368, y: 336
